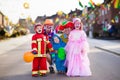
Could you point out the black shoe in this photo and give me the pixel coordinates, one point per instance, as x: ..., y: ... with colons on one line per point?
x: 51, y: 70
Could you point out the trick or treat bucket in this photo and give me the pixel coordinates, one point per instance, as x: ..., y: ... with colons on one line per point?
x: 28, y: 57
x: 61, y: 53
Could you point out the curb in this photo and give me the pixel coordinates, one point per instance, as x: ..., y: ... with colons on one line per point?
x: 108, y: 50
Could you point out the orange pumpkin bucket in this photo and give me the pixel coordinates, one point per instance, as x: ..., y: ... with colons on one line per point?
x: 28, y: 57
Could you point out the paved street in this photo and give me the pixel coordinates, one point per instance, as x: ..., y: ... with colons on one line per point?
x: 104, y: 65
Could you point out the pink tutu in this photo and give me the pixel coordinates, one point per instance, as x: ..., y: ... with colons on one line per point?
x: 77, y: 61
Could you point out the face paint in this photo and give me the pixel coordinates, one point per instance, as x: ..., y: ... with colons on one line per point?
x: 48, y: 28
x: 56, y: 40
x: 67, y: 30
x: 39, y: 29
x: 77, y: 25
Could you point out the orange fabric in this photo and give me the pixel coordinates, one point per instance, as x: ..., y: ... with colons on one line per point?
x: 48, y: 22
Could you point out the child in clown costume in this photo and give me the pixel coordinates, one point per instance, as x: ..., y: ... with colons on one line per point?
x: 48, y: 31
x: 77, y: 61
x: 65, y: 27
x: 39, y: 44
x: 59, y: 45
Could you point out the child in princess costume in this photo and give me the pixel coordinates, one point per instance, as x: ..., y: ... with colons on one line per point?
x: 39, y: 44
x: 77, y: 61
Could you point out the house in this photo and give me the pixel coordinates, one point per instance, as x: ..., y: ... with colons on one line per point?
x: 1, y: 20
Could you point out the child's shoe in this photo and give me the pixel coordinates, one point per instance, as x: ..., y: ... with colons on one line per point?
x: 51, y: 70
x: 34, y: 75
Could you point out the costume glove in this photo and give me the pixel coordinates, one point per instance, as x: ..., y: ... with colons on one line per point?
x: 34, y: 52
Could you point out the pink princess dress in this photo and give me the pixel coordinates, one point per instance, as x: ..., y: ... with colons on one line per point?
x: 77, y: 61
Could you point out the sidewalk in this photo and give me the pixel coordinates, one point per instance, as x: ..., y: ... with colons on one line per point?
x: 9, y: 44
x: 112, y: 46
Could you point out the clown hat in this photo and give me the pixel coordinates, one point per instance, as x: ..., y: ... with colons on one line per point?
x: 48, y: 22
x: 66, y: 24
